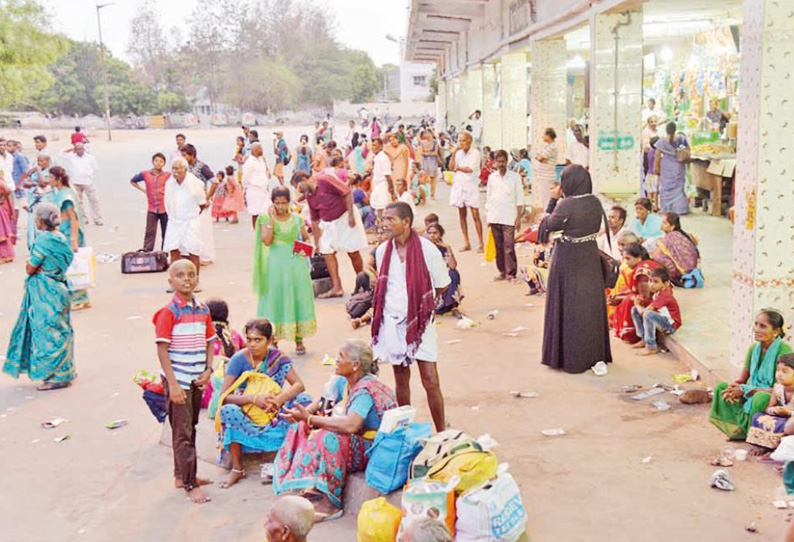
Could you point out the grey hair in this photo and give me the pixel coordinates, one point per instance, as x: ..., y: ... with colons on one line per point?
x: 629, y: 237
x: 296, y: 513
x: 429, y: 530
x: 181, y: 161
x: 45, y: 157
x: 361, y: 351
x: 48, y: 214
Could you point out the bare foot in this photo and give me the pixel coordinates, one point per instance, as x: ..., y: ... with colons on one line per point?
x: 466, y: 248
x: 234, y: 477
x: 356, y: 323
x: 198, y: 496
x: 331, y: 294
x: 200, y: 481
x: 49, y: 386
x: 497, y: 278
x: 325, y: 511
x: 638, y: 345
x: 648, y: 352
x: 758, y: 451
x: 480, y: 249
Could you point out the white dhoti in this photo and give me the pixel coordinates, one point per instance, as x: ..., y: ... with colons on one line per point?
x: 380, y: 197
x: 207, y: 237
x: 183, y: 235
x: 338, y: 236
x: 464, y: 192
x: 392, y: 348
x: 257, y: 200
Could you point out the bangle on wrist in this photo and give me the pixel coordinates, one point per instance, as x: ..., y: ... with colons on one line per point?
x: 309, y: 421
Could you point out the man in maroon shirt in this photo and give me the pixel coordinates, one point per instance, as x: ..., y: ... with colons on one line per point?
x: 79, y: 137
x: 336, y: 223
x: 154, y: 187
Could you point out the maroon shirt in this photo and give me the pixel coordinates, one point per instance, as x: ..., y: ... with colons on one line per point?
x: 328, y: 201
x: 665, y: 298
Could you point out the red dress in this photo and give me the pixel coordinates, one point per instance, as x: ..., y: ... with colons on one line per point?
x: 622, y: 322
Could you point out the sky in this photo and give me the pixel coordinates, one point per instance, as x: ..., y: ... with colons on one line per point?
x: 360, y: 24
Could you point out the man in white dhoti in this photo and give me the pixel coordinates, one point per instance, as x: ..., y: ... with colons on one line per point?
x: 204, y: 174
x: 411, y: 275
x: 465, y: 192
x: 256, y: 183
x: 382, y: 192
x: 185, y: 200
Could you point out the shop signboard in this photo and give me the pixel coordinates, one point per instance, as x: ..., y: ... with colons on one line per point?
x: 611, y: 140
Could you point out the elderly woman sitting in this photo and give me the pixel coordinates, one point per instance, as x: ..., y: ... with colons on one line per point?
x: 316, y: 463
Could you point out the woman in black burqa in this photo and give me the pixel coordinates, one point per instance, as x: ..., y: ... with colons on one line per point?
x: 576, y: 333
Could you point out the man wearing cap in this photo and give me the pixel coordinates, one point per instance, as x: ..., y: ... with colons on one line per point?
x: 82, y: 167
x: 281, y: 151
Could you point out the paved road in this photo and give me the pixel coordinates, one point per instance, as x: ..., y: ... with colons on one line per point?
x: 588, y: 485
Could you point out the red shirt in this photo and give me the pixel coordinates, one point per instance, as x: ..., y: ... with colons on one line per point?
x: 328, y: 201
x: 79, y: 137
x: 665, y: 298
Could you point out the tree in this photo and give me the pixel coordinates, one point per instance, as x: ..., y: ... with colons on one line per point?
x: 364, y: 82
x: 148, y: 46
x: 26, y: 49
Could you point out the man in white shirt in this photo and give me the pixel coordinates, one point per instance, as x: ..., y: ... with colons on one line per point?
x: 382, y: 192
x: 465, y: 193
x: 504, y: 206
x: 403, y: 194
x: 177, y: 153
x: 82, y: 167
x: 255, y: 181
x: 403, y: 325
x: 475, y: 121
x: 349, y: 136
x: 617, y: 226
x: 185, y: 199
x: 578, y: 153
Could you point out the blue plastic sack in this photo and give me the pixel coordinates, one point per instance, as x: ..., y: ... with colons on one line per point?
x: 694, y: 279
x: 391, y: 454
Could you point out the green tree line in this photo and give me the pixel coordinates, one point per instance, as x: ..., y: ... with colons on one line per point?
x: 252, y: 54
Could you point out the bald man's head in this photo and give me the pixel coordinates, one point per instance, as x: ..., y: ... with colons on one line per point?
x: 183, y: 277
x: 289, y: 520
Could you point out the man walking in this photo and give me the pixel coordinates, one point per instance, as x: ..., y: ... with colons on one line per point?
x: 281, y: 151
x: 411, y: 275
x: 180, y: 142
x: 184, y: 201
x: 255, y: 181
x: 154, y: 181
x: 336, y: 223
x: 82, y: 167
x: 504, y: 206
x: 465, y: 193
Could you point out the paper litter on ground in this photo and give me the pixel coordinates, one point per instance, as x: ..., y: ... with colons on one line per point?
x: 134, y: 317
x: 53, y: 423
x: 454, y: 341
x: 510, y: 334
x: 553, y: 432
x: 648, y: 393
x: 329, y: 361
x: 524, y: 394
x: 518, y: 329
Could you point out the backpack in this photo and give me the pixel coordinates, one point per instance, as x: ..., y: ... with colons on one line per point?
x: 439, y: 447
x: 359, y: 304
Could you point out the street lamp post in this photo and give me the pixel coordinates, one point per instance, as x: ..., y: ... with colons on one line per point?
x: 104, y: 67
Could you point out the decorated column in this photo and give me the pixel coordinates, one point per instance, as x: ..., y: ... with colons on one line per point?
x: 763, y: 239
x: 491, y: 110
x: 549, y: 92
x: 616, y: 102
x: 514, y: 100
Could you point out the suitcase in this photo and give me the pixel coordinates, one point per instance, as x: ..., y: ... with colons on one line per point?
x: 144, y: 262
x: 318, y: 268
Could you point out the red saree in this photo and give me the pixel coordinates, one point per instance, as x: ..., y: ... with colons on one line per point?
x: 621, y: 319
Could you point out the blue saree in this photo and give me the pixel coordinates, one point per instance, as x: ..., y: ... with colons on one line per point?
x: 42, y: 341
x: 63, y: 199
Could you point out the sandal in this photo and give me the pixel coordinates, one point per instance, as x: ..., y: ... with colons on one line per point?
x: 300, y: 350
x: 320, y: 517
x: 50, y: 386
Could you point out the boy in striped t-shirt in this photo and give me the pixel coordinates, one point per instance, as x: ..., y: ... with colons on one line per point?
x: 184, y: 332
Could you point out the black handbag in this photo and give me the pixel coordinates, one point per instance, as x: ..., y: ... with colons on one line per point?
x: 318, y: 268
x: 610, y: 267
x: 144, y: 262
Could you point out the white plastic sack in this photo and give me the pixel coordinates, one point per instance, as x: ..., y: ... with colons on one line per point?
x: 491, y: 513
x: 82, y: 272
x: 785, y: 451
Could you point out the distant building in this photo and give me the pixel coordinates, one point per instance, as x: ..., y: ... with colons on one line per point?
x: 415, y: 81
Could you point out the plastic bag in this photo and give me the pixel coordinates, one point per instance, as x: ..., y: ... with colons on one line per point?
x: 426, y: 499
x: 82, y: 271
x: 785, y: 450
x: 490, y: 247
x: 391, y: 454
x: 492, y: 513
x: 378, y: 521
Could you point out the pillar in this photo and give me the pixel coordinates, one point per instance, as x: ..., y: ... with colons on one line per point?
x: 450, y: 92
x: 763, y: 240
x: 514, y: 100
x: 549, y: 92
x: 441, y: 106
x: 491, y: 110
x: 616, y: 102
x: 456, y: 97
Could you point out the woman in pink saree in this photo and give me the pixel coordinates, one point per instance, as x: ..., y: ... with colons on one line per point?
x: 677, y: 250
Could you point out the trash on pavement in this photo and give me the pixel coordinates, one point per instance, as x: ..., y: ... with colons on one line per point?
x: 632, y: 388
x: 519, y: 329
x: 720, y: 480
x: 53, y: 423
x: 661, y: 405
x: 61, y: 439
x: 329, y: 361
x: 524, y: 394
x: 511, y: 335
x: 741, y: 454
x: 465, y: 323
x: 107, y: 257
x: 135, y: 317
x: 116, y: 424
x: 780, y: 505
x: 721, y: 462
x: 647, y: 393
x: 682, y: 378
x: 600, y: 369
x: 553, y: 432
x: 647, y: 459
x: 454, y: 341
x: 751, y: 528
x: 491, y: 315
x: 695, y: 397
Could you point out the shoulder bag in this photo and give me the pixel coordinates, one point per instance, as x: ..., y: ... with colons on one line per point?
x: 610, y: 267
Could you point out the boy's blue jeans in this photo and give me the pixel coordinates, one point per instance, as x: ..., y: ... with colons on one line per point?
x: 646, y: 325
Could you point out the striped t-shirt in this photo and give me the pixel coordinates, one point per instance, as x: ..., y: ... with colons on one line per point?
x: 187, y: 328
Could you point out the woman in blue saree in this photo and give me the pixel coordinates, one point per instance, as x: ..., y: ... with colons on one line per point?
x: 42, y: 341
x: 65, y: 200
x: 672, y: 173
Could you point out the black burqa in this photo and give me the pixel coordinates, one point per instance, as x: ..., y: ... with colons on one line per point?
x: 576, y: 331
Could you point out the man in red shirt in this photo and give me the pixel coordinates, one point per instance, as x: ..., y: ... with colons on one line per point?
x: 336, y: 223
x: 154, y: 187
x: 662, y: 314
x: 78, y: 137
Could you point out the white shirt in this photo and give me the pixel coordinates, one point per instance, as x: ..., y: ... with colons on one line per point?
x: 603, y: 245
x: 81, y: 168
x: 471, y: 160
x: 174, y: 155
x: 396, y: 287
x: 476, y: 128
x: 182, y: 200
x: 381, y: 167
x: 406, y: 197
x: 503, y: 197
x: 7, y: 167
x: 578, y: 154
x: 255, y: 173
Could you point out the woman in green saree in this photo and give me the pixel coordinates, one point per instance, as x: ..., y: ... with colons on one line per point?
x: 42, y: 341
x: 734, y: 405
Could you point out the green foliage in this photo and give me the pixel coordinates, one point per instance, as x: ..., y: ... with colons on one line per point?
x: 26, y: 48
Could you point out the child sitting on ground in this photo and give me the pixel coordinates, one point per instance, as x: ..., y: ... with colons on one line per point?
x: 662, y: 314
x: 359, y: 307
x: 420, y: 185
x: 229, y: 341
x: 401, y: 187
x: 767, y: 428
x: 361, y: 200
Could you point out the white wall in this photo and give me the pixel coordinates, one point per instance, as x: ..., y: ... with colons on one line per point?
x: 415, y: 81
